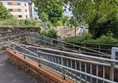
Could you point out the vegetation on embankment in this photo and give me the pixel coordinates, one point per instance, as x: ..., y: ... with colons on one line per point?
x: 49, y: 33
x: 87, y: 38
x: 15, y: 22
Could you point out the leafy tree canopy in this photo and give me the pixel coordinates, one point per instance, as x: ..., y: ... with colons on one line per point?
x: 53, y: 9
x: 101, y: 15
x: 4, y: 13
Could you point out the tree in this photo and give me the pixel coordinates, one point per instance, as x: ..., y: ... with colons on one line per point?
x: 49, y: 33
x: 101, y: 15
x: 65, y: 20
x: 4, y: 13
x: 44, y: 17
x: 52, y: 8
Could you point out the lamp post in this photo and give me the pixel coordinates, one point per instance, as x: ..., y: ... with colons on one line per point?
x: 75, y: 18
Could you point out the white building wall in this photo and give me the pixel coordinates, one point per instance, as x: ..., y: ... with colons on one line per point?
x: 23, y: 7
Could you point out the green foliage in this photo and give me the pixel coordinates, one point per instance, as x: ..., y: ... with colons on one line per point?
x: 4, y: 13
x: 72, y: 22
x: 87, y: 38
x: 59, y: 23
x: 65, y: 20
x: 44, y: 17
x: 49, y: 33
x: 73, y: 39
x: 81, y: 38
x: 43, y: 33
x: 101, y: 15
x: 53, y: 9
x: 15, y: 22
x: 104, y: 27
x: 106, y: 40
x: 103, y: 40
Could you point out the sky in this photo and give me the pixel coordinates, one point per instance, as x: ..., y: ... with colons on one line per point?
x: 67, y: 13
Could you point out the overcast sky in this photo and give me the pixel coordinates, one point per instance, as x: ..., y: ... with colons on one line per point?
x: 67, y: 12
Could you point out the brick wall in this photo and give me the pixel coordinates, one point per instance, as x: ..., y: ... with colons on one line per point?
x: 32, y: 66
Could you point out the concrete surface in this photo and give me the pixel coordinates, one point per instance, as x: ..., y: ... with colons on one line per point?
x: 11, y: 74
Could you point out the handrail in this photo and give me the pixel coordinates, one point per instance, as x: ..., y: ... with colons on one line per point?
x: 68, y: 68
x: 12, y: 36
x: 22, y: 46
x: 64, y: 48
x: 70, y: 53
x: 73, y: 45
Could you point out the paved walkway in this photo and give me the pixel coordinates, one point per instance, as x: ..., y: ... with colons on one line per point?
x: 11, y: 74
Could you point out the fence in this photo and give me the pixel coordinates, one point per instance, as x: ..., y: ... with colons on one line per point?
x: 50, y: 42
x: 89, y: 69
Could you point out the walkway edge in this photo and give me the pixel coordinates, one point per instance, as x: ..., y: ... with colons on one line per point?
x: 32, y: 66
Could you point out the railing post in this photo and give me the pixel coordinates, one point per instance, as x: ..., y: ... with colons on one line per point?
x: 99, y: 47
x: 113, y: 55
x: 76, y: 73
x: 52, y: 43
x: 9, y: 46
x: 63, y: 72
x: 44, y: 41
x: 84, y: 47
x: 73, y: 47
x: 39, y: 63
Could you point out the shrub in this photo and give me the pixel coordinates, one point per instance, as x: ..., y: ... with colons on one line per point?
x: 43, y: 33
x: 15, y: 22
x: 73, y: 39
x: 106, y: 40
x: 87, y: 38
x: 81, y: 38
x: 59, y: 23
x: 50, y: 33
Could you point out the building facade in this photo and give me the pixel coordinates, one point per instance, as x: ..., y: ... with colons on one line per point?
x: 20, y: 9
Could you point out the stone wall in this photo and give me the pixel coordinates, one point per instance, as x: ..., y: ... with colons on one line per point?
x: 5, y: 31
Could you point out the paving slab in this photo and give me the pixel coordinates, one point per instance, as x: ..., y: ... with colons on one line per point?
x: 11, y: 74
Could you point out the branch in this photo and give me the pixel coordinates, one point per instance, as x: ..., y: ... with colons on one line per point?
x: 115, y: 2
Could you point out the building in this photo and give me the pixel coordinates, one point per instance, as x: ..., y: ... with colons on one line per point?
x: 20, y: 9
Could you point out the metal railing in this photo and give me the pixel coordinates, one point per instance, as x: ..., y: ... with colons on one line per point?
x: 87, y: 69
x: 15, y: 38
x: 100, y: 47
x: 47, y: 41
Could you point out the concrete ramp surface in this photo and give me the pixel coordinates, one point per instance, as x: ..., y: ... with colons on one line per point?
x: 11, y: 74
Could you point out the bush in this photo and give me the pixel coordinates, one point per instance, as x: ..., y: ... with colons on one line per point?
x: 49, y: 33
x: 15, y: 22
x: 106, y: 40
x: 81, y: 38
x: 87, y: 38
x: 59, y: 23
x: 73, y: 39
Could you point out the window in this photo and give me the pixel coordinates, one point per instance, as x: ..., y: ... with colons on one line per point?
x: 20, y: 16
x: 26, y: 16
x: 9, y: 3
x: 25, y: 4
x: 19, y: 10
x: 25, y: 10
x: 10, y: 10
x: 18, y: 3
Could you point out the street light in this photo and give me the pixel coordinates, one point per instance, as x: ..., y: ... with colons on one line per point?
x: 75, y: 17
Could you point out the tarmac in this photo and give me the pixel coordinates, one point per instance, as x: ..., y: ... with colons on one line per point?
x: 9, y: 73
